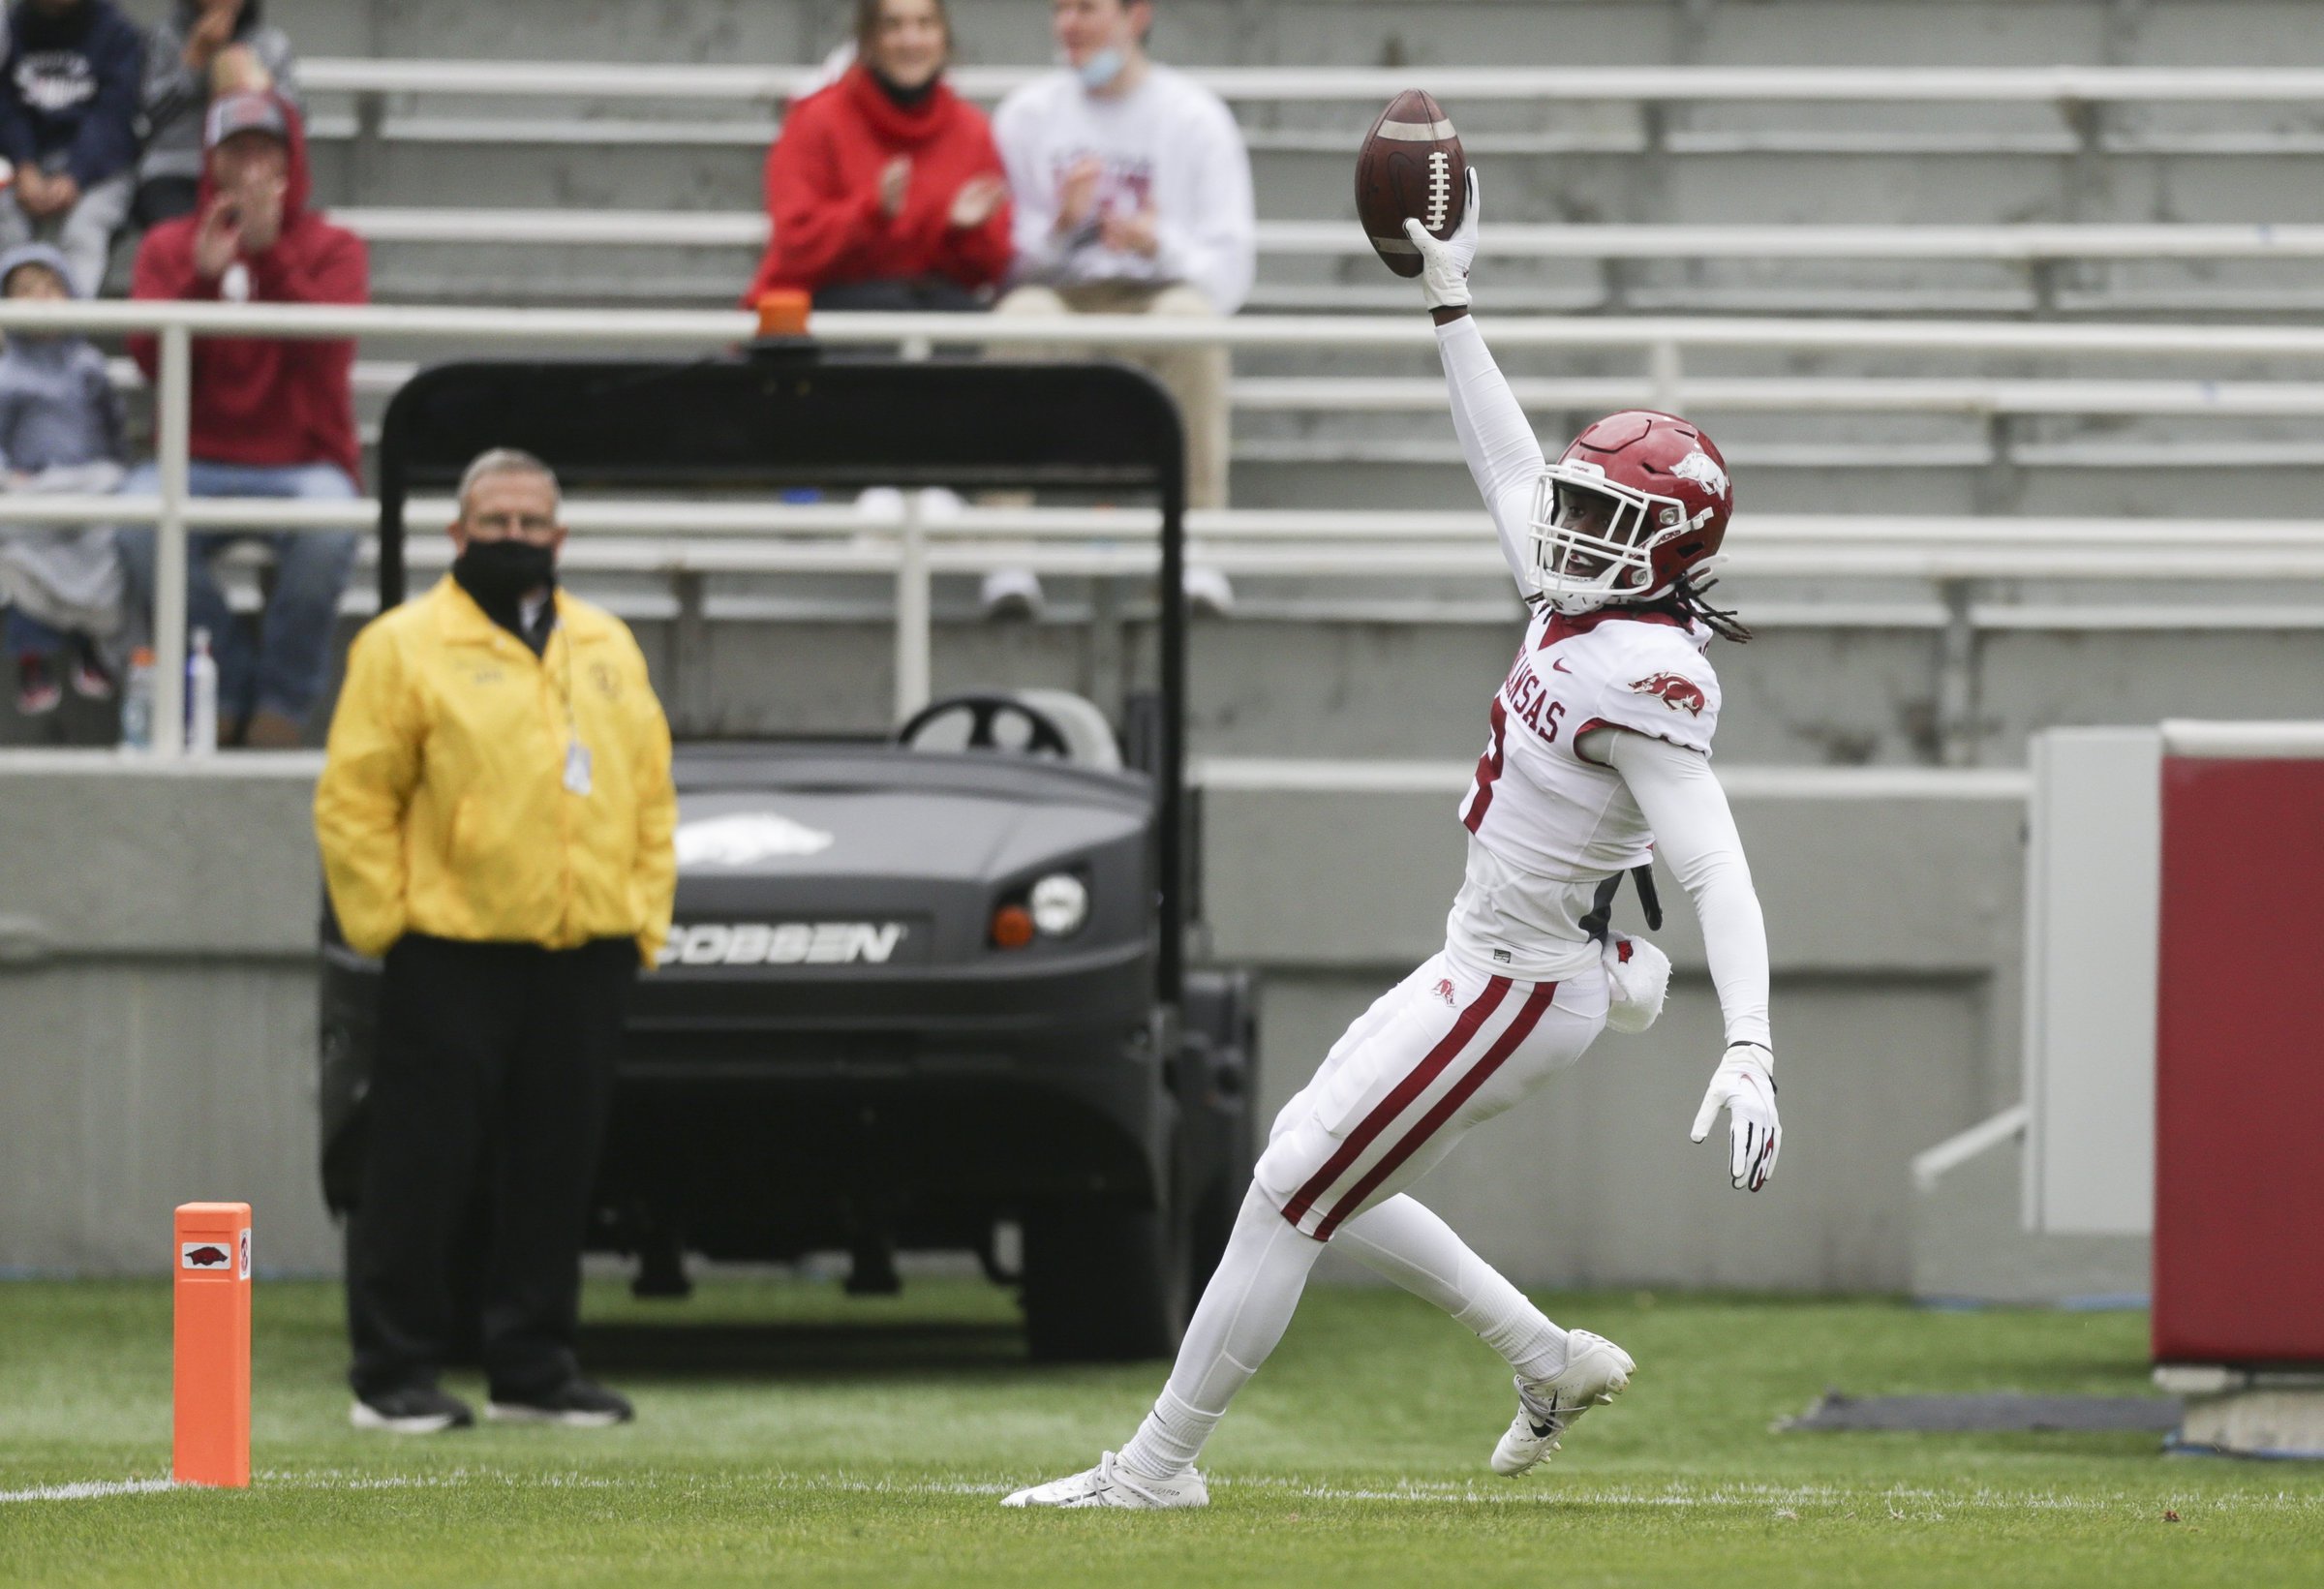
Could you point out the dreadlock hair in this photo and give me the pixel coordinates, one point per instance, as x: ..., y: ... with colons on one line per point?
x: 1686, y: 599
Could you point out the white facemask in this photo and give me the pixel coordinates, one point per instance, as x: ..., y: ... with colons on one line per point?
x: 1099, y: 70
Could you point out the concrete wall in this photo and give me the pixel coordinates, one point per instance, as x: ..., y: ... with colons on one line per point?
x: 157, y: 1013
x: 1892, y: 912
x: 157, y: 1008
x: 1969, y: 1242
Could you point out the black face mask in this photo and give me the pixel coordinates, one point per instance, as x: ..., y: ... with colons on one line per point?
x: 903, y: 98
x: 497, y: 574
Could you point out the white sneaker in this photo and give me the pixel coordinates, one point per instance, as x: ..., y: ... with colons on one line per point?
x: 1597, y: 1371
x: 1111, y: 1484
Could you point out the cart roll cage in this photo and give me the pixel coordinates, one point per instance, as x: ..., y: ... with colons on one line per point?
x: 783, y: 416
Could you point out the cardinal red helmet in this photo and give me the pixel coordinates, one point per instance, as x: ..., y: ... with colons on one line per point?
x: 1639, y: 498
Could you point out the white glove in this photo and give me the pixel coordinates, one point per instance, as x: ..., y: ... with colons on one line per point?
x: 1637, y: 975
x: 1744, y: 1085
x: 1445, y: 266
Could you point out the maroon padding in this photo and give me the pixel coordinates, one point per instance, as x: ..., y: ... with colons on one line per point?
x: 2238, y: 1086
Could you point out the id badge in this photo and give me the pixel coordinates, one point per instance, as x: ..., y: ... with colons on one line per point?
x: 577, y: 768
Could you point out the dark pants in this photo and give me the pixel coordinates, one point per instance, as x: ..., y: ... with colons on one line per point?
x: 901, y: 295
x: 165, y: 198
x: 494, y: 1070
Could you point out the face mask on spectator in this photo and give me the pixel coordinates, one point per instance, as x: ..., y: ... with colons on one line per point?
x: 899, y: 95
x: 504, y: 571
x: 1098, y: 72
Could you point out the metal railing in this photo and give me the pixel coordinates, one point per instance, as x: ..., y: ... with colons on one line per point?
x: 2063, y: 86
x: 1978, y: 395
x: 2079, y: 97
x: 916, y: 547
x: 2003, y: 243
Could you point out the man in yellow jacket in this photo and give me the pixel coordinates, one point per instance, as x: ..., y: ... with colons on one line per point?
x: 495, y: 814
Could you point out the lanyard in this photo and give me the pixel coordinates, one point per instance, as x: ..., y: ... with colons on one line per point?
x: 579, y: 767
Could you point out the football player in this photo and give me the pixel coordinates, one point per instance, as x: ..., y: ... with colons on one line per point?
x: 1598, y: 756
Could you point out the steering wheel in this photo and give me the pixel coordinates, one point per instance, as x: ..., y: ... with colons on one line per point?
x: 1042, y: 735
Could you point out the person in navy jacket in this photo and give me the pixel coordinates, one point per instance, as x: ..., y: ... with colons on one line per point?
x: 68, y: 124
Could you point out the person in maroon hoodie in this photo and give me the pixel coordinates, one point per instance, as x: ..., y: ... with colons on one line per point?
x: 885, y: 190
x: 271, y: 418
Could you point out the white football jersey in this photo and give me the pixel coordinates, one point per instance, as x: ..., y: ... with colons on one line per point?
x: 1546, y: 824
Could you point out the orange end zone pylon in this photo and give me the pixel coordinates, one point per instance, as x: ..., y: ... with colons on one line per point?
x: 211, y: 1440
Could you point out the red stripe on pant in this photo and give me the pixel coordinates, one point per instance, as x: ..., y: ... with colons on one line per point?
x: 1384, y: 1115
x: 1504, y: 1045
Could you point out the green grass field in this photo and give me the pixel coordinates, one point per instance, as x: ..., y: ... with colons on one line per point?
x: 789, y: 1435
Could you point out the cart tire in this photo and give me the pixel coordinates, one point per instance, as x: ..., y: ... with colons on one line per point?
x: 1102, y: 1285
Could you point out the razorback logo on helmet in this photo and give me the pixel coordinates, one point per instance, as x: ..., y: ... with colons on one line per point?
x: 1699, y: 467
x: 1675, y: 690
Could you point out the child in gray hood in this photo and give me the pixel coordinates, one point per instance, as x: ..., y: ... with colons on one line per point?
x: 60, y: 435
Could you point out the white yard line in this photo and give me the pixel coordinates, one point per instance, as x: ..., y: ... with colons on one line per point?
x: 90, y: 1492
x: 103, y: 1490
x: 1925, y: 1504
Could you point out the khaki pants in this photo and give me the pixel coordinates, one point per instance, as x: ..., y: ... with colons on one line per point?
x: 1196, y: 376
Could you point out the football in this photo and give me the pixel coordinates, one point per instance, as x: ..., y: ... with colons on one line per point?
x: 1409, y: 167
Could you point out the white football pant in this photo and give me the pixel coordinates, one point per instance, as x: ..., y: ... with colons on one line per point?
x: 1442, y: 1051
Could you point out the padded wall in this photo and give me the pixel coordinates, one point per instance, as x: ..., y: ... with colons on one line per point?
x: 2238, y: 1213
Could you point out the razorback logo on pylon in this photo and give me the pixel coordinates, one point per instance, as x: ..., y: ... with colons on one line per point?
x: 1676, y: 691
x: 1444, y: 990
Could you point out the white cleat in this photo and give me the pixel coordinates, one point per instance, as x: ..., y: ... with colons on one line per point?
x: 1111, y: 1484
x: 1597, y: 1371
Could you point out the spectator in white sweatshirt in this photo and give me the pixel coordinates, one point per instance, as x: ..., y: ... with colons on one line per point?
x: 1133, y: 196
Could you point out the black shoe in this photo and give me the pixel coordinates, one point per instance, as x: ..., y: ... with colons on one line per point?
x: 577, y: 1404
x: 420, y: 1409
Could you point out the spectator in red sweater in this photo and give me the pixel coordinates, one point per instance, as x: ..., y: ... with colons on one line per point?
x: 272, y: 417
x: 885, y: 190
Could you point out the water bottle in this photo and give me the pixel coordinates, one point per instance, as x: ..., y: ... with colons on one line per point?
x: 137, y: 702
x: 201, y: 696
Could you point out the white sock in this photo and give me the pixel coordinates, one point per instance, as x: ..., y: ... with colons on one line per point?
x: 1242, y: 1314
x: 1170, y: 1438
x: 1409, y: 1244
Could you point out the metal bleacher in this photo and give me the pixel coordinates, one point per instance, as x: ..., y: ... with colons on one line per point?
x: 1943, y: 567
x: 1304, y: 425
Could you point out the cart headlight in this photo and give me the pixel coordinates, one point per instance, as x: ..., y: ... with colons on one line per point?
x: 1060, y: 904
